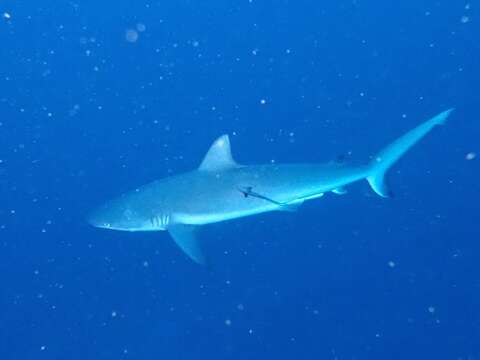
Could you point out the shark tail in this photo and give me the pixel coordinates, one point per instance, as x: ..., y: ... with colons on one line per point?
x: 393, y: 152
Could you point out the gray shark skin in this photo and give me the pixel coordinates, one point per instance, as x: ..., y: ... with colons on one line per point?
x: 220, y: 190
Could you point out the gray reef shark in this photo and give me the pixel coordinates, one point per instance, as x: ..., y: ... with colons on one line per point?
x: 221, y: 189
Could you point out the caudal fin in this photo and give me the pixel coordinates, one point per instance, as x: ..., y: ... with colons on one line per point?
x: 389, y: 155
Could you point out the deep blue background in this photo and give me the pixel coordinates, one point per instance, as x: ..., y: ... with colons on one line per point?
x: 86, y: 115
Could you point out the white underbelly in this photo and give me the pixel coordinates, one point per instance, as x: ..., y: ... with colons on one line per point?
x: 209, y: 218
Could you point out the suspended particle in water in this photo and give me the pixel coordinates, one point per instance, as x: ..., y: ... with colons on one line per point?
x: 470, y: 156
x: 74, y: 110
x: 465, y: 19
x: 141, y: 27
x: 7, y: 15
x: 431, y: 309
x: 131, y: 35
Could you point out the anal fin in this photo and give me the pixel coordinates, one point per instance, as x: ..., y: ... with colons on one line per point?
x: 340, y: 191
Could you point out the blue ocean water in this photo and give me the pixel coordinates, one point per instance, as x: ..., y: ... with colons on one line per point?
x: 97, y: 98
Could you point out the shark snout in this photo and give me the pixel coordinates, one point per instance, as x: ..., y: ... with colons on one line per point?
x: 118, y: 215
x: 97, y: 219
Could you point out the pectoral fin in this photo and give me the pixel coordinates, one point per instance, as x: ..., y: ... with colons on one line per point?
x: 185, y: 237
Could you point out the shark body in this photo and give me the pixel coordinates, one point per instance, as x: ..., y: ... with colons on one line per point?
x: 221, y: 189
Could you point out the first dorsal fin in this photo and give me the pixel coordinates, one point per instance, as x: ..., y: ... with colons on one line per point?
x: 219, y: 156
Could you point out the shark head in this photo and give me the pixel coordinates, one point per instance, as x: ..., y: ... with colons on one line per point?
x: 115, y: 217
x: 120, y: 215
